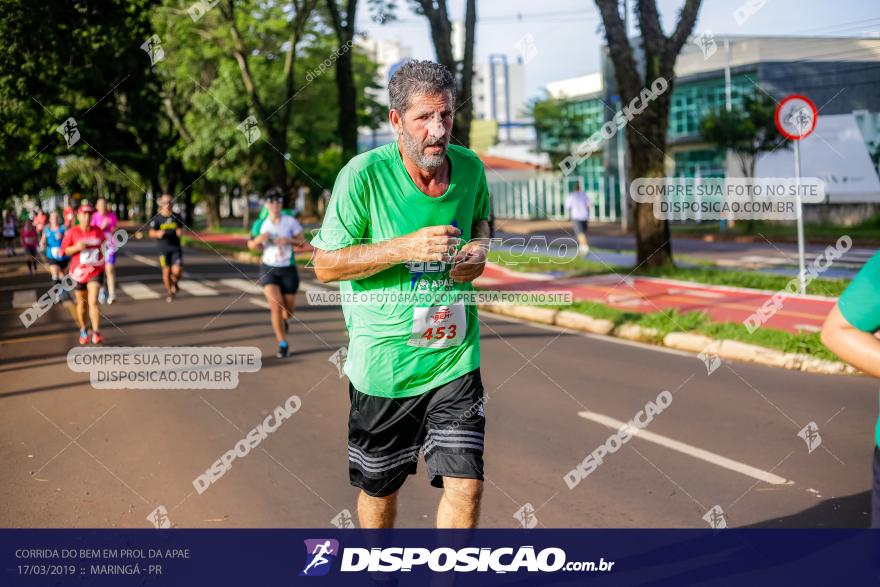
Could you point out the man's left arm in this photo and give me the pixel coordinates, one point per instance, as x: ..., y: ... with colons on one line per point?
x: 471, y: 259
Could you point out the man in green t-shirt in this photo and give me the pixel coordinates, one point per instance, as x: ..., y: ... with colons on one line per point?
x: 405, y: 233
x: 850, y: 331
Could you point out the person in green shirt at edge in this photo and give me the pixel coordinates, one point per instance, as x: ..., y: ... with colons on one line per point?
x: 409, y: 221
x: 850, y: 331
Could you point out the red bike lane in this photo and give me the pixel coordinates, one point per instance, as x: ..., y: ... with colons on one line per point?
x: 648, y: 294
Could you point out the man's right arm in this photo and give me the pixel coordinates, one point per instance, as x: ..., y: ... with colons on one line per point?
x: 433, y: 243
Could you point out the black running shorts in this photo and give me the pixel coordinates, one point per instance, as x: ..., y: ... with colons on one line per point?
x: 385, y: 435
x: 286, y: 278
x: 169, y: 257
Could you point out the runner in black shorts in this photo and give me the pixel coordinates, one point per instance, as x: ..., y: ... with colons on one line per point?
x: 277, y: 231
x: 405, y: 233
x: 167, y: 226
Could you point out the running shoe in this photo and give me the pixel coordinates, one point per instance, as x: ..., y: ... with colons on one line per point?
x: 110, y: 299
x: 97, y: 338
x: 282, y: 351
x: 102, y: 296
x: 83, y: 336
x: 169, y: 298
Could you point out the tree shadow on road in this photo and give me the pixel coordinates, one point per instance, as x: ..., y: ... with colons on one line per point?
x: 851, y: 511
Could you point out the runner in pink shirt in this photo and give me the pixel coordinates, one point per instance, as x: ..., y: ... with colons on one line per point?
x: 105, y: 220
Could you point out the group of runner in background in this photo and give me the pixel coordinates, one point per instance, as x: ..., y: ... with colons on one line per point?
x: 79, y: 242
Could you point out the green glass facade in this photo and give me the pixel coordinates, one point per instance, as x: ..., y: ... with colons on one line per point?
x: 691, y: 101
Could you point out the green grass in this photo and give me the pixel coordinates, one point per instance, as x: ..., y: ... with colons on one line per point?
x: 538, y: 263
x: 670, y: 320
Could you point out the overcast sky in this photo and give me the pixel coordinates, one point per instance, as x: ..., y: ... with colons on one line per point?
x: 567, y: 35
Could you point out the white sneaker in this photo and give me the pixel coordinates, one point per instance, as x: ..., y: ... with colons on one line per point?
x: 111, y: 298
x: 584, y: 249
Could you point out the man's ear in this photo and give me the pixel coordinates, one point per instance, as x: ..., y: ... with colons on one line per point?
x: 396, y: 121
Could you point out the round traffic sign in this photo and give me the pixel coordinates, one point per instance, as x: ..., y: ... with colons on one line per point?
x: 796, y: 117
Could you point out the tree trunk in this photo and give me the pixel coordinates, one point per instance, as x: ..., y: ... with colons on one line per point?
x: 646, y: 144
x: 348, y: 122
x: 211, y: 198
x: 465, y: 106
x: 345, y: 88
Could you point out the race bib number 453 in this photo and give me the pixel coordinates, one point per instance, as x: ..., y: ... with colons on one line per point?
x: 438, y: 326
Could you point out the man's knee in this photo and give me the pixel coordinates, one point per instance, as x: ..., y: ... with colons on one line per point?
x: 462, y: 491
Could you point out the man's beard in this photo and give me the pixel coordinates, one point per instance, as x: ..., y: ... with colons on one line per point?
x: 415, y: 151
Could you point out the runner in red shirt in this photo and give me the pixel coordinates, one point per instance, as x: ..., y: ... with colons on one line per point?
x: 82, y: 244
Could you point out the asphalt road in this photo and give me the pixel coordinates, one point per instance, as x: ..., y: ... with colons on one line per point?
x: 74, y: 456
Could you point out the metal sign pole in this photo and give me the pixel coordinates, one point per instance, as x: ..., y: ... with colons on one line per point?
x: 802, y: 273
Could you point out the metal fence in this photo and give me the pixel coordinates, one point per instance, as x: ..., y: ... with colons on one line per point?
x: 543, y: 196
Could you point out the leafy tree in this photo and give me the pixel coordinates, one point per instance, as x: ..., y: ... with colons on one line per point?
x: 558, y: 126
x: 747, y: 131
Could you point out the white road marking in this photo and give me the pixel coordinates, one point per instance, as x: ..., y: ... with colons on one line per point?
x: 259, y: 302
x: 138, y: 291
x: 24, y: 298
x: 196, y: 288
x: 307, y: 286
x: 242, y: 285
x: 145, y: 260
x: 690, y: 450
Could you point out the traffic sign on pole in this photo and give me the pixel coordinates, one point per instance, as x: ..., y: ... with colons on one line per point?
x: 796, y: 118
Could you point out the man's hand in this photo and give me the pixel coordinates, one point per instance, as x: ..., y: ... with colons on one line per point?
x: 432, y: 243
x: 469, y: 262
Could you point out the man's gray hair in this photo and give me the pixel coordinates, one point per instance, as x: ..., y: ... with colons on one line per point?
x: 418, y: 77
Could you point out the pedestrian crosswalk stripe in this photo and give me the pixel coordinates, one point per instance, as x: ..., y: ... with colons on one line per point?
x: 242, y: 285
x: 145, y: 260
x: 24, y: 298
x: 259, y: 302
x: 196, y: 288
x: 138, y: 291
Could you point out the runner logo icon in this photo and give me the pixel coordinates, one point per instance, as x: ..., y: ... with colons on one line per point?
x: 320, y: 553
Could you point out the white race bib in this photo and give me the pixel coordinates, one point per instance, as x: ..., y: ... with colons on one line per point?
x: 90, y: 257
x: 55, y: 252
x: 438, y: 327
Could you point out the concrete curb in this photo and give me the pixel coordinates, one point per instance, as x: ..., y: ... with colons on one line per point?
x: 731, y: 350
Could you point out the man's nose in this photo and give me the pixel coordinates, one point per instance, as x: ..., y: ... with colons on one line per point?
x: 435, y: 127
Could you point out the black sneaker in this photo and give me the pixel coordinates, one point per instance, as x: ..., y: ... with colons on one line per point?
x: 282, y: 352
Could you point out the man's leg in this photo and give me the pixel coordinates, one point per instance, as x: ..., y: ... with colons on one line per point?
x: 377, y: 512
x: 166, y: 278
x: 110, y: 272
x: 460, y: 505
x: 276, y: 309
x: 176, y: 272
x: 94, y: 311
x: 82, y: 308
x: 289, y: 301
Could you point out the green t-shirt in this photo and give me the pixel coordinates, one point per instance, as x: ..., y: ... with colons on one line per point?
x: 860, y: 305
x: 374, y: 199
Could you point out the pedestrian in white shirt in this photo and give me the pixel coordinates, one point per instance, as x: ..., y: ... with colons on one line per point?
x: 578, y: 203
